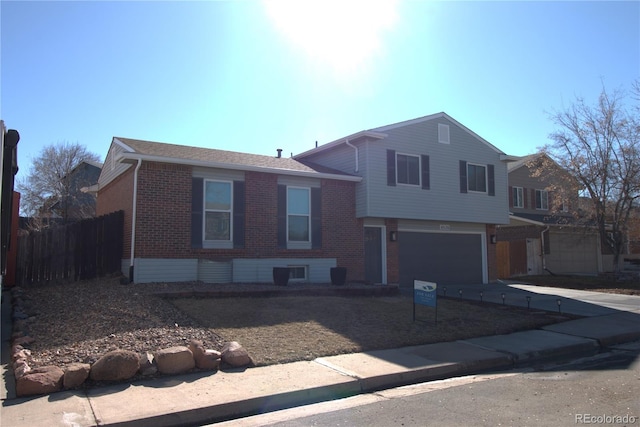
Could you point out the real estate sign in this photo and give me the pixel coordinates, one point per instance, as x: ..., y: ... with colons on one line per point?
x: 424, y: 293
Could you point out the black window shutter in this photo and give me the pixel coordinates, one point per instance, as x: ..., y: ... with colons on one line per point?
x: 426, y: 182
x: 316, y: 218
x: 510, y: 196
x: 491, y: 176
x: 282, y: 216
x: 391, y: 167
x: 463, y: 176
x: 238, y: 214
x: 197, y: 207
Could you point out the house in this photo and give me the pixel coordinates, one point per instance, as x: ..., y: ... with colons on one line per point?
x: 75, y: 204
x: 420, y: 198
x: 431, y: 195
x: 220, y: 216
x: 544, y: 233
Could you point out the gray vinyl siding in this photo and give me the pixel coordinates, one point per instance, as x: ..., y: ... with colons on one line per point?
x: 221, y: 174
x: 443, y: 201
x: 215, y: 271
x: 111, y: 169
x: 151, y: 270
x: 261, y: 270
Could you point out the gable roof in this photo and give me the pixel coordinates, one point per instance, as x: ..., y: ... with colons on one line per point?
x: 135, y: 149
x: 379, y: 133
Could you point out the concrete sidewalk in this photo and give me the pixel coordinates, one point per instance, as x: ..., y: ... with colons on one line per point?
x: 208, y: 397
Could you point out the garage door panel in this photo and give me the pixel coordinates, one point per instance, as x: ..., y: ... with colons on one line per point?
x: 444, y: 258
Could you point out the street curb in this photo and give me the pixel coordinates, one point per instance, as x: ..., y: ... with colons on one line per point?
x: 520, y: 346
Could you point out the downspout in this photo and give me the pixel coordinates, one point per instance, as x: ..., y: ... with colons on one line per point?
x: 346, y: 141
x: 133, y: 218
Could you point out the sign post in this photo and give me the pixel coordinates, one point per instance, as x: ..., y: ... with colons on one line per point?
x: 424, y: 293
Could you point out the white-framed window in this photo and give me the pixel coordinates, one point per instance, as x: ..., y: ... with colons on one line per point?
x: 542, y: 200
x: 407, y: 169
x: 564, y: 205
x: 218, y: 210
x: 518, y: 197
x: 298, y: 272
x: 476, y: 178
x: 298, y: 214
x: 443, y: 133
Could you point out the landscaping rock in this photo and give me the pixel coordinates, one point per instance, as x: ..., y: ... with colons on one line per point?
x: 47, y: 379
x: 174, y: 360
x: 75, y: 375
x: 20, y: 368
x: 20, y: 354
x: 235, y: 355
x: 116, y: 365
x: 208, y: 360
x: 148, y: 364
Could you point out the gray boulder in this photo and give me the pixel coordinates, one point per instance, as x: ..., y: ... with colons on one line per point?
x: 235, y: 355
x: 75, y: 374
x: 174, y: 360
x: 116, y: 365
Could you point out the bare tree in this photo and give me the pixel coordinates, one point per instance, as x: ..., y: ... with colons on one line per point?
x: 599, y: 146
x: 52, y: 189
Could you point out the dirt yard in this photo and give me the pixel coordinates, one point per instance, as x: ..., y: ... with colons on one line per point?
x: 79, y: 322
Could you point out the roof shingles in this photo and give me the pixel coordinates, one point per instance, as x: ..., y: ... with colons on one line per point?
x: 200, y: 154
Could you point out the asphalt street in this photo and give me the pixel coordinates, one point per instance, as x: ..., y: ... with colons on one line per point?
x: 598, y: 390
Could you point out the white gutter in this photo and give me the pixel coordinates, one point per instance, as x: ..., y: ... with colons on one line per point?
x: 346, y: 141
x: 133, y: 218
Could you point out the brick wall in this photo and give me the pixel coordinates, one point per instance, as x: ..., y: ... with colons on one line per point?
x: 164, y: 219
x: 163, y: 228
x: 118, y: 195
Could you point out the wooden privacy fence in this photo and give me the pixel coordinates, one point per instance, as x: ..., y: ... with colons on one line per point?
x: 83, y: 250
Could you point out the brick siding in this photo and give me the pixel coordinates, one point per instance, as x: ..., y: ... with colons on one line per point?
x: 163, y: 227
x: 118, y: 195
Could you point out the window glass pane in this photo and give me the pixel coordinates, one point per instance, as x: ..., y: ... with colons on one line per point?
x: 517, y: 197
x: 297, y: 272
x: 218, y: 196
x: 298, y: 201
x: 413, y: 166
x: 298, y: 228
x: 408, y: 168
x: 217, y: 226
x: 476, y: 177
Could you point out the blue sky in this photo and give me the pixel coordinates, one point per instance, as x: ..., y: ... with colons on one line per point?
x: 254, y: 76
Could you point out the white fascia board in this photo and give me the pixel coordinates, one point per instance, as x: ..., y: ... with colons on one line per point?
x: 125, y: 157
x: 328, y: 145
x: 123, y: 145
x: 515, y: 218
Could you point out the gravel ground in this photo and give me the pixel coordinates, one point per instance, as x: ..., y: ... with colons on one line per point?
x: 79, y: 322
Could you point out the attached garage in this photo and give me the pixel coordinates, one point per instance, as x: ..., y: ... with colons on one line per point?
x: 444, y: 258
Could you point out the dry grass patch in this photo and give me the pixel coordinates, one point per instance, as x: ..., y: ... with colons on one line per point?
x: 285, y: 329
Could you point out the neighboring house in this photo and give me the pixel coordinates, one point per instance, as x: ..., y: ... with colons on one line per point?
x: 431, y: 194
x: 78, y: 204
x: 414, y: 199
x: 543, y: 234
